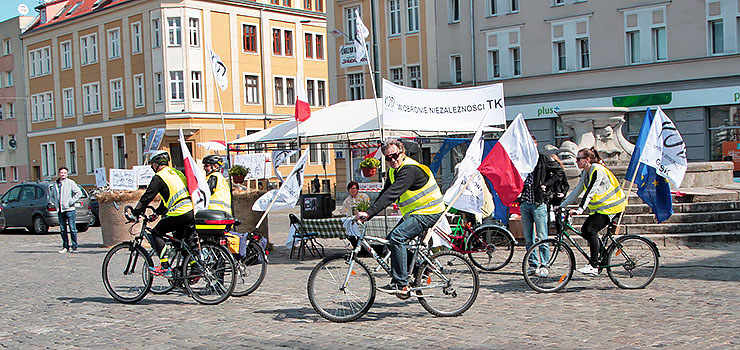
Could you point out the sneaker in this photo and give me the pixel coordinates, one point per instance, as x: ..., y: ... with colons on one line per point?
x: 159, y: 271
x: 531, y: 271
x: 589, y: 270
x: 392, y: 288
x: 74, y: 250
x: 542, y: 272
x: 62, y: 251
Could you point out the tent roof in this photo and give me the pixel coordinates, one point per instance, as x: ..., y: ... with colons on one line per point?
x: 344, y: 121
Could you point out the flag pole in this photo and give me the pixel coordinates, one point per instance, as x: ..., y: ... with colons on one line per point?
x: 627, y: 199
x: 264, y: 215
x: 448, y: 207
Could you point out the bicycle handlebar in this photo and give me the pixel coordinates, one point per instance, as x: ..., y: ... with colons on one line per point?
x: 128, y: 213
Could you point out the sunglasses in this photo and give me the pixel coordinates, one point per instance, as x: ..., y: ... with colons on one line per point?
x: 579, y: 158
x: 392, y: 156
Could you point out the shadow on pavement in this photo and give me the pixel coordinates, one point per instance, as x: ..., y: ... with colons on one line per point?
x: 306, y: 314
x: 110, y: 300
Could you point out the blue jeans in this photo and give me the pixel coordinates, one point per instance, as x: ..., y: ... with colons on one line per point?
x: 68, y: 218
x: 407, y: 229
x: 535, y: 217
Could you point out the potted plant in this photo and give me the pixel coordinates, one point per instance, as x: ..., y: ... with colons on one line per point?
x: 238, y: 173
x: 360, y: 205
x: 369, y: 166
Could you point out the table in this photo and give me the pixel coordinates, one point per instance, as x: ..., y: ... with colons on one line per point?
x: 339, y: 228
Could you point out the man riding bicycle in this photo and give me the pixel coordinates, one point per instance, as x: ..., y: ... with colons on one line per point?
x: 413, y: 186
x: 220, y: 191
x: 176, y: 207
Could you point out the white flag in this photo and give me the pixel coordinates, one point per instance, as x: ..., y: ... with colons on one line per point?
x: 665, y: 150
x: 471, y: 199
x: 196, y: 181
x: 361, y: 33
x: 219, y: 70
x: 288, y: 194
x: 278, y: 158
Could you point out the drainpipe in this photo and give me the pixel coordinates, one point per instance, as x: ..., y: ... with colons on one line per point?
x: 472, y: 35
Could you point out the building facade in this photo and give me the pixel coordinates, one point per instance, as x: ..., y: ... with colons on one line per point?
x: 103, y: 73
x: 13, y: 141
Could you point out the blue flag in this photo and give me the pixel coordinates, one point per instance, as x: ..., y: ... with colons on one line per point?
x: 447, y: 145
x: 652, y: 188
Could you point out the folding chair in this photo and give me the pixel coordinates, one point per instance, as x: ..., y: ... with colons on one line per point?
x: 305, y: 238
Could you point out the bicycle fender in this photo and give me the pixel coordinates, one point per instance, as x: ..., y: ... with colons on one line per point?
x: 497, y: 228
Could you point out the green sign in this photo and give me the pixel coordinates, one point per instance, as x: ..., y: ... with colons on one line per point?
x: 642, y: 100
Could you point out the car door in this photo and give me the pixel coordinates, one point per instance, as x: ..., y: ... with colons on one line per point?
x: 10, y: 203
x: 26, y: 205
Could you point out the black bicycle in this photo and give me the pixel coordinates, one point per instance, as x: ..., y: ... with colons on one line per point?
x: 200, y: 265
x: 631, y: 261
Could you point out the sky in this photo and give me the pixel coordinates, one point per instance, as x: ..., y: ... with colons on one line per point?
x: 9, y: 8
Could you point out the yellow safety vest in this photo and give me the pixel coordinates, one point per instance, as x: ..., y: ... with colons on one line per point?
x: 221, y: 196
x: 613, y: 200
x: 426, y: 200
x: 179, y: 202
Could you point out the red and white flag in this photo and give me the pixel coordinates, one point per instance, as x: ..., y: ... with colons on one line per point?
x: 510, y: 161
x: 302, y: 109
x: 197, y: 184
x: 377, y: 154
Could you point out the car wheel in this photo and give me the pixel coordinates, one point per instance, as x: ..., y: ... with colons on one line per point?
x: 92, y: 219
x: 82, y: 227
x: 39, y: 225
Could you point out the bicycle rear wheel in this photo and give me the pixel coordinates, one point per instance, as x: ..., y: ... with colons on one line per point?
x: 330, y: 299
x: 492, y: 249
x: 636, y: 259
x: 126, y: 272
x: 209, y: 276
x: 558, y: 262
x: 450, y: 285
x: 250, y: 270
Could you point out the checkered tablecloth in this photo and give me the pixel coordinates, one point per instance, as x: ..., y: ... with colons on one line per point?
x: 336, y: 228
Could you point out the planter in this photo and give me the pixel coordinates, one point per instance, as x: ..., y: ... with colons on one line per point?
x: 238, y: 178
x: 242, y: 202
x: 369, y: 172
x: 113, y: 226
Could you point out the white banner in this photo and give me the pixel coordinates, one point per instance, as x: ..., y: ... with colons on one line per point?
x: 406, y: 108
x: 123, y: 179
x: 665, y: 150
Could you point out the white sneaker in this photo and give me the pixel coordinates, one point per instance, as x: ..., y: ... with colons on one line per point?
x: 542, y: 272
x: 589, y: 270
x: 64, y: 250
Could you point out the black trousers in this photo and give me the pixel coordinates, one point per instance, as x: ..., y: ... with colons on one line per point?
x: 590, y: 231
x: 182, y: 226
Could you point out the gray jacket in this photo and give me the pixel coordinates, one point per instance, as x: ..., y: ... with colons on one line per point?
x: 68, y: 195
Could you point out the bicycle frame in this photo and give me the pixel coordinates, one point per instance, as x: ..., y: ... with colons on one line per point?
x: 564, y: 226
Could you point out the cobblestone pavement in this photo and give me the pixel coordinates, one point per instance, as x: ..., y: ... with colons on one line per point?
x: 51, y: 300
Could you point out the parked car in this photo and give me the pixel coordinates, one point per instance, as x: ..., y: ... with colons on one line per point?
x: 94, y: 210
x: 32, y: 205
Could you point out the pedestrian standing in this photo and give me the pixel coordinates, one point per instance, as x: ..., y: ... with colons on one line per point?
x: 67, y: 194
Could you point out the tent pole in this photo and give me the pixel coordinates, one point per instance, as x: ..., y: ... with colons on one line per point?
x: 375, y: 101
x: 226, y: 141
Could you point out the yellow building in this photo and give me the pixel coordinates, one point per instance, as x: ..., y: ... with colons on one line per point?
x: 103, y: 73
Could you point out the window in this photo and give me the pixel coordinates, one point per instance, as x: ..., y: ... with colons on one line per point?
x: 492, y: 7
x: 93, y: 153
x: 8, y: 78
x: 318, y: 153
x: 356, y: 86
x: 397, y: 76
x: 14, y: 172
x: 321, y: 92
x: 415, y: 77
x: 177, y: 86
x: 48, y: 159
x: 584, y: 52
x: 319, y: 47
x: 645, y: 35
x: 68, y: 96
x: 275, y: 2
x: 140, y: 146
x: 290, y: 91
x: 558, y: 2
x: 514, y: 5
x: 560, y: 52
x: 39, y: 62
x: 2, y: 175
x: 139, y: 99
x: 174, y: 31
x: 89, y: 49
x: 716, y: 33
x: 66, y: 54
x: 158, y: 88
x: 2, y: 143
x: 516, y: 61
x: 394, y: 12
x: 495, y: 64
x: 659, y: 43
x: 412, y: 9
x: 311, y: 91
x: 195, y: 85
x: 251, y: 88
x: 7, y: 47
x: 288, y: 43
x: 114, y: 43
x: 309, y: 45
x: 194, y: 30
x: 633, y: 46
x: 1, y: 112
x: 454, y: 11
x: 456, y: 69
x: 136, y: 37
x: 42, y: 107
x: 320, y: 5
x: 116, y: 94
x: 279, y: 91
x: 287, y: 3
x: 250, y: 38
x: 307, y: 4
x: 70, y: 151
x: 91, y: 98
x: 350, y: 23
x: 119, y: 151
x: 277, y: 45
x: 11, y: 111
x: 156, y: 40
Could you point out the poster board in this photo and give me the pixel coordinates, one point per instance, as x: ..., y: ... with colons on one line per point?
x: 144, y: 174
x: 257, y: 164
x: 123, y: 179
x: 100, y: 180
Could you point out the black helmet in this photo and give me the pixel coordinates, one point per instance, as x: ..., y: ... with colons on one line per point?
x: 213, y: 160
x: 159, y: 157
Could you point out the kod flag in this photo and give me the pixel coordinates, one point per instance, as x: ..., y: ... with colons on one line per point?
x: 287, y: 195
x: 665, y: 150
x: 278, y: 158
x: 219, y: 70
x: 197, y: 184
x: 361, y: 34
x: 510, y: 161
x: 471, y: 198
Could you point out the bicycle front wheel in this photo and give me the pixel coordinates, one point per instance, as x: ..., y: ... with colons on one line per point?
x: 209, y: 276
x: 334, y: 301
x: 250, y: 270
x: 492, y: 248
x: 449, y: 286
x: 632, y: 262
x: 553, y: 266
x: 126, y: 272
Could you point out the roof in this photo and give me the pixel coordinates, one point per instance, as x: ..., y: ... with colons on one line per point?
x: 62, y: 10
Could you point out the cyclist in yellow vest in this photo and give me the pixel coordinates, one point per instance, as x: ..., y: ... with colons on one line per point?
x: 413, y: 187
x: 220, y: 193
x: 604, y: 198
x: 176, y: 207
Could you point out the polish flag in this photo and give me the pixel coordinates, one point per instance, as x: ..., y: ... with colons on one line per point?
x: 302, y: 109
x: 510, y: 161
x: 197, y: 185
x: 377, y: 154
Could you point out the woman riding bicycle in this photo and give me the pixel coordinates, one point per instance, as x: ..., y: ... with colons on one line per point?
x: 604, y: 198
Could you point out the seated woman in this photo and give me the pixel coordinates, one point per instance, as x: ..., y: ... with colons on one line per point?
x: 354, y: 196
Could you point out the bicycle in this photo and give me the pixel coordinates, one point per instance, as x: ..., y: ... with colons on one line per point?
x: 202, y: 266
x: 251, y: 267
x: 341, y: 287
x: 489, y: 247
x: 631, y: 261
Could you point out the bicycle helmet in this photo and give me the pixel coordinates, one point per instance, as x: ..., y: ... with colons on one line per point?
x: 160, y: 157
x: 213, y: 160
